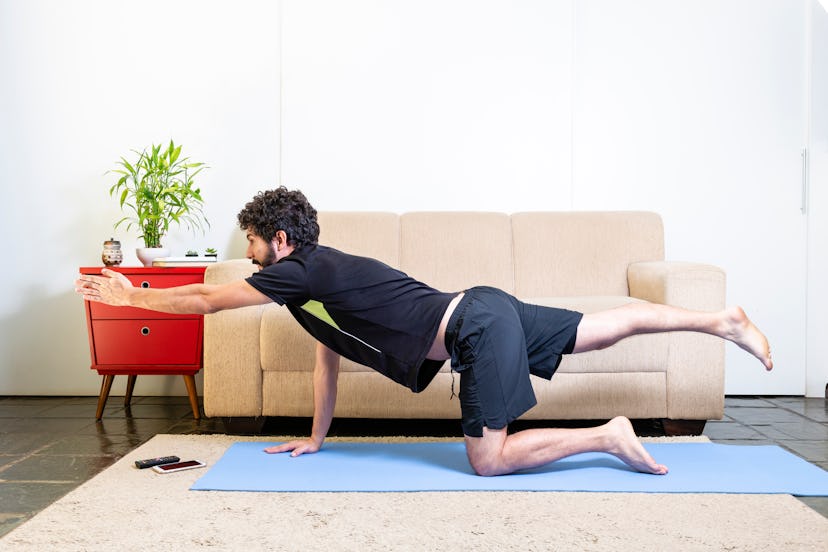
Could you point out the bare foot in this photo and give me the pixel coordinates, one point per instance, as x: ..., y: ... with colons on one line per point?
x: 625, y: 446
x: 744, y: 333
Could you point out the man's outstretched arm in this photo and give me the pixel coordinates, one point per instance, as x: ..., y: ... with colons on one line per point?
x: 113, y: 288
x: 325, y: 374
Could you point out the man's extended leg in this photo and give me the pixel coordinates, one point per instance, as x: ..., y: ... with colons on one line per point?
x: 602, y: 329
x: 497, y: 453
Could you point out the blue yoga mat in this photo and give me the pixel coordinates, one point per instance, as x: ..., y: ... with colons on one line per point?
x: 384, y: 467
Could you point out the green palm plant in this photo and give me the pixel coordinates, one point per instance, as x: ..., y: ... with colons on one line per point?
x: 158, y: 187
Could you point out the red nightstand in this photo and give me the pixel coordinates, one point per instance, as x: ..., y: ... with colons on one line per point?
x: 130, y: 341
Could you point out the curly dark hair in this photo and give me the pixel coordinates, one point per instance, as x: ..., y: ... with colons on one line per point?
x: 281, y: 209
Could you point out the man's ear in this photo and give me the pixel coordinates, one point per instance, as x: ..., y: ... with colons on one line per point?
x: 280, y: 240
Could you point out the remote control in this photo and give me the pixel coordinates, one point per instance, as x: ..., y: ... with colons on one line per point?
x: 150, y: 462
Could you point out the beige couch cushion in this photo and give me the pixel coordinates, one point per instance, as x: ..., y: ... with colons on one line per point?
x: 582, y: 253
x: 375, y: 235
x: 641, y: 353
x: 599, y: 396
x: 432, y: 255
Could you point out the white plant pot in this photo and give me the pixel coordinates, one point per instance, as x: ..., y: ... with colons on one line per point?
x: 148, y: 254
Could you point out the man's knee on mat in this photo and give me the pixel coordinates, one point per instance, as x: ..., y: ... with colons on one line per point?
x: 486, y: 453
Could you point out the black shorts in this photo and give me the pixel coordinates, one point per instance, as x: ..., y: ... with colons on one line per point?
x: 495, y: 342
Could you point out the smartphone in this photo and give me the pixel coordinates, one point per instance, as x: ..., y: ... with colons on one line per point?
x: 179, y: 466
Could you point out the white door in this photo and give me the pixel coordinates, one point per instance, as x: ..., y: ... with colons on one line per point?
x: 696, y: 110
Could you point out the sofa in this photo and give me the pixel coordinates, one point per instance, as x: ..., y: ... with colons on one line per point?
x: 258, y: 362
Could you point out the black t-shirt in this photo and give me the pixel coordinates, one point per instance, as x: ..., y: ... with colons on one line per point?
x: 360, y: 308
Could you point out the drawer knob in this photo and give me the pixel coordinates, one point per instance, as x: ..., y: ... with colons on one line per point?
x: 145, y: 330
x: 145, y: 284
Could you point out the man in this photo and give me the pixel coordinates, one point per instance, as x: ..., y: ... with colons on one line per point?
x: 378, y: 316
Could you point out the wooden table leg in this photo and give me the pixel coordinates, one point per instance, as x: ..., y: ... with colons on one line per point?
x: 130, y: 386
x: 106, y: 386
x: 189, y: 381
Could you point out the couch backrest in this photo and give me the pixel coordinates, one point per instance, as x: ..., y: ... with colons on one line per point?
x: 560, y: 254
x: 369, y: 234
x: 537, y: 254
x: 453, y: 251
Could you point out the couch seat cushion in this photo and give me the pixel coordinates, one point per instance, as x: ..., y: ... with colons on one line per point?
x: 641, y: 353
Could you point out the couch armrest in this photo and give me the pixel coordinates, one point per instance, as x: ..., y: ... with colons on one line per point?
x: 695, y: 372
x: 232, y: 359
x: 688, y: 285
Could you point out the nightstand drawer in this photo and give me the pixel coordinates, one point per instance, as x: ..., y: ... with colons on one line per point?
x: 157, y: 281
x: 147, y: 341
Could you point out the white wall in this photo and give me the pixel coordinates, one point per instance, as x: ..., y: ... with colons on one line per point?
x: 364, y: 104
x: 408, y: 106
x: 82, y: 83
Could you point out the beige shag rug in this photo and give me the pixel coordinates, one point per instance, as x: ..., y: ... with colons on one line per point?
x: 127, y: 509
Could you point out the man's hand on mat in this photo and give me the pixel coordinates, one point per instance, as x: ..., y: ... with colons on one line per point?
x: 298, y: 447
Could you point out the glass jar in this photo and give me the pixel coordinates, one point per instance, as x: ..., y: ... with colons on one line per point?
x: 112, y: 254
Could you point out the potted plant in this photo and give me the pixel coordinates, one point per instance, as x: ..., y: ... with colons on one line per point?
x: 158, y: 188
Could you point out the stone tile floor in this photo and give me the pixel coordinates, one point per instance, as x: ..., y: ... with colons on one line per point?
x: 50, y: 445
